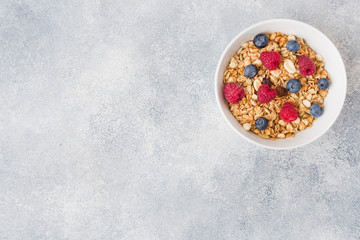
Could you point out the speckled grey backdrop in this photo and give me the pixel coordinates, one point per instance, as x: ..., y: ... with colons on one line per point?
x: 110, y: 129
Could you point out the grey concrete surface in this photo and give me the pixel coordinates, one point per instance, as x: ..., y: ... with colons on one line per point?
x: 110, y: 129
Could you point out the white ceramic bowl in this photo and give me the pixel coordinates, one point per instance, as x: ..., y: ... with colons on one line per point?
x: 333, y: 64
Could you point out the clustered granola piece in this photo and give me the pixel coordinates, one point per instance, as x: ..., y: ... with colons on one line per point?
x: 310, y: 96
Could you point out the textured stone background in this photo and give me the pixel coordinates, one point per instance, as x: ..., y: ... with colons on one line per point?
x: 110, y: 129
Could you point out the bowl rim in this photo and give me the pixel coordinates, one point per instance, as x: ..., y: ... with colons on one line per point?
x: 219, y: 98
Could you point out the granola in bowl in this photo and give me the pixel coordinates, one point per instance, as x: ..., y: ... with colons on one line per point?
x: 273, y: 86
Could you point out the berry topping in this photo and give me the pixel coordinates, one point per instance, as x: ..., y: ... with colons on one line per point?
x: 323, y: 83
x: 293, y: 85
x: 288, y: 112
x: 261, y: 123
x: 306, y: 65
x: 316, y: 110
x: 233, y: 92
x: 250, y: 71
x: 293, y: 46
x: 265, y: 94
x: 270, y: 59
x: 261, y: 40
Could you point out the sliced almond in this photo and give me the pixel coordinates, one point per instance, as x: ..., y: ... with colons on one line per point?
x: 305, y: 121
x: 319, y: 57
x: 275, y: 73
x: 312, y: 91
x: 272, y: 36
x: 248, y: 89
x: 257, y: 84
x: 306, y: 103
x: 281, y: 135
x: 291, y: 37
x: 247, y: 61
x: 247, y: 126
x: 232, y: 64
x: 289, y: 66
x: 257, y: 63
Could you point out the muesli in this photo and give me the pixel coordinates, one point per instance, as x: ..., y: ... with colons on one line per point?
x: 275, y: 85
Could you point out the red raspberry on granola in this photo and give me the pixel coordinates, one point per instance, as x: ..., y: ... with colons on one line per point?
x: 270, y: 59
x: 233, y: 92
x: 265, y: 94
x: 288, y: 112
x: 306, y: 66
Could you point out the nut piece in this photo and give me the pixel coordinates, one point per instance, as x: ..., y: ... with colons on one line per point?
x: 289, y: 66
x: 232, y: 64
x: 257, y: 63
x: 254, y: 96
x: 319, y: 57
x: 247, y: 62
x: 232, y: 79
x: 276, y: 72
x: 257, y: 84
x: 306, y: 103
x: 291, y: 37
x: 305, y: 121
x: 312, y: 91
x: 248, y: 89
x: 281, y: 135
x: 247, y: 126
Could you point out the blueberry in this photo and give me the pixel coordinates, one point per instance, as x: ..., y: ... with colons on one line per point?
x: 293, y: 85
x: 261, y: 123
x: 293, y: 46
x: 323, y: 83
x: 261, y: 40
x: 316, y: 110
x: 250, y: 71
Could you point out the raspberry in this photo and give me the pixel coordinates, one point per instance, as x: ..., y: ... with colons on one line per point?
x: 288, y: 112
x: 265, y: 93
x: 306, y: 65
x: 270, y: 59
x: 233, y: 92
